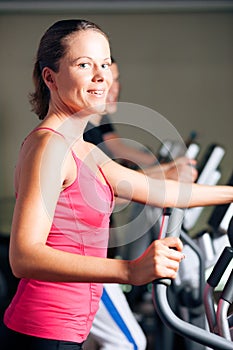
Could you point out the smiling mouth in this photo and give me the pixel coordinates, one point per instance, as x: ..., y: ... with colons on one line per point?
x: 96, y: 92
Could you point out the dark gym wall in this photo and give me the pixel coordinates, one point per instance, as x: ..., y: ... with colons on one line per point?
x: 178, y: 63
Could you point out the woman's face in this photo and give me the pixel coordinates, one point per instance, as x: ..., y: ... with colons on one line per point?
x: 84, y: 76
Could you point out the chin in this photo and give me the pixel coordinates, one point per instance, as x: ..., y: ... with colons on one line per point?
x: 93, y: 109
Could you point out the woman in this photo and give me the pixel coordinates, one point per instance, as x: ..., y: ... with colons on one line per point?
x: 64, y: 196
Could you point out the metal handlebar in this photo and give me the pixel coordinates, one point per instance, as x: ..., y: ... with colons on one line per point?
x: 164, y: 310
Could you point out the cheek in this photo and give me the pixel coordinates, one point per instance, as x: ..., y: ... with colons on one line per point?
x: 64, y: 83
x: 73, y: 87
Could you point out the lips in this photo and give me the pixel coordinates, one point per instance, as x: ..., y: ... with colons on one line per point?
x: 96, y: 92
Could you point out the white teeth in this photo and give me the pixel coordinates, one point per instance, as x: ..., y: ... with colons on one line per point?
x: 96, y: 92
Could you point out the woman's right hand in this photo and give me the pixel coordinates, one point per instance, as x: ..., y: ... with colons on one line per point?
x: 160, y: 260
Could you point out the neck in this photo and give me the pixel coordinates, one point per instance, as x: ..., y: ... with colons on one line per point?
x: 71, y: 127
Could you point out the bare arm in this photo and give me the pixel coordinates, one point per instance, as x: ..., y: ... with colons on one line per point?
x: 120, y: 149
x: 181, y: 169
x: 136, y: 186
x: 133, y: 185
x: 30, y: 257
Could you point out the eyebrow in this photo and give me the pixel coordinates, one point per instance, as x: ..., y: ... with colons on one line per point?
x: 82, y: 57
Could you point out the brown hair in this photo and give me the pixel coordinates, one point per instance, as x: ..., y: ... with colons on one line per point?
x: 52, y: 48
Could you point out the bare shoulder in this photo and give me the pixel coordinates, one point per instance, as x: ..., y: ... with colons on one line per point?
x: 43, y: 142
x: 99, y: 156
x: 43, y: 150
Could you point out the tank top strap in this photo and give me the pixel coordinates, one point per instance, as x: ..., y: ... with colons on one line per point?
x: 42, y: 128
x: 56, y: 132
x: 46, y: 128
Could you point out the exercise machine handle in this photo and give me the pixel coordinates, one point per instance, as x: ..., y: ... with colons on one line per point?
x: 173, y: 229
x: 220, y: 267
x: 164, y: 310
x: 175, y: 223
x: 230, y: 232
x: 224, y: 303
x: 184, y: 328
x: 227, y: 293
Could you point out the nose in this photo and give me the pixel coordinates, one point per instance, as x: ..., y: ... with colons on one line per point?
x: 98, y: 74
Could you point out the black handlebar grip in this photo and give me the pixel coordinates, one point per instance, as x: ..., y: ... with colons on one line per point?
x: 220, y: 267
x: 227, y: 293
x: 230, y: 231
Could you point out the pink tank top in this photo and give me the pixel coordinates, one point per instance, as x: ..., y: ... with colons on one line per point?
x: 65, y: 311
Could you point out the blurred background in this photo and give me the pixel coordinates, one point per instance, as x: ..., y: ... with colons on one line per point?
x: 175, y: 57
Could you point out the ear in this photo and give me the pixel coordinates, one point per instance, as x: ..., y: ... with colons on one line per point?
x: 48, y: 77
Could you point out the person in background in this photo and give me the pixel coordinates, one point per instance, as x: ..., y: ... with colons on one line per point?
x: 115, y: 325
x: 65, y: 189
x: 181, y: 168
